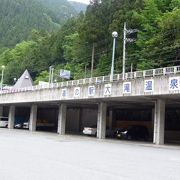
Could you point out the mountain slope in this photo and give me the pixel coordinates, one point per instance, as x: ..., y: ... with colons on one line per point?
x: 19, y: 17
x: 62, y: 8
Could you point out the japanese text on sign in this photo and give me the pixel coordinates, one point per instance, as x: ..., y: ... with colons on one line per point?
x: 91, y: 90
x: 174, y: 83
x: 107, y: 89
x: 126, y: 87
x: 77, y: 91
x: 149, y: 85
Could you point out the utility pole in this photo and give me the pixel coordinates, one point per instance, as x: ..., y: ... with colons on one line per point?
x: 85, y: 71
x: 52, y: 75
x: 125, y: 40
x: 2, y: 76
x: 50, y: 68
x: 131, y: 68
x: 92, y: 61
x: 124, y: 51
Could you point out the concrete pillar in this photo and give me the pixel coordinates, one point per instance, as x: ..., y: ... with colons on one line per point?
x: 11, y: 117
x: 101, y: 124
x: 152, y: 124
x: 1, y: 111
x: 62, y: 119
x: 159, y: 122
x: 33, y: 118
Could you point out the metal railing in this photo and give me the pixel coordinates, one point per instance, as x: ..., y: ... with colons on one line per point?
x: 102, y: 79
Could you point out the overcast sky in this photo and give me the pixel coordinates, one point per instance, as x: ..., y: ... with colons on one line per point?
x: 83, y: 1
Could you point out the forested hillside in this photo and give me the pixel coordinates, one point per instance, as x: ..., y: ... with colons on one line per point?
x: 157, y: 40
x: 18, y: 18
x: 61, y: 8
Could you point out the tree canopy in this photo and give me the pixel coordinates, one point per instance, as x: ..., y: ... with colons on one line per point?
x: 157, y: 40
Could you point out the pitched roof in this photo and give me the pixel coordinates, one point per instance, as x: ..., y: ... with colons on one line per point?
x: 24, y: 81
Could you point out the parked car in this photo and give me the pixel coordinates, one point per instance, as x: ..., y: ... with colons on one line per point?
x: 4, y: 122
x: 133, y: 132
x: 18, y: 126
x: 92, y: 131
x: 24, y: 125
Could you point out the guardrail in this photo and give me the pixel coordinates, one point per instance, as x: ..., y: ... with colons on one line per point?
x: 102, y: 79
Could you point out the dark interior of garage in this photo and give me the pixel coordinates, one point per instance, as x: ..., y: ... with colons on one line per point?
x: 123, y: 118
x: 47, y: 119
x: 172, y: 125
x: 79, y: 117
x: 22, y: 115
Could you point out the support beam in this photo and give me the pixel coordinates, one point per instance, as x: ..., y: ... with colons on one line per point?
x: 159, y: 122
x: 62, y: 119
x: 101, y: 124
x: 152, y: 124
x: 33, y: 118
x: 11, y: 117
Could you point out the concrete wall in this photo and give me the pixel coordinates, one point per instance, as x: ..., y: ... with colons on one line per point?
x: 73, y: 120
x: 161, y: 87
x: 89, y: 117
x: 172, y: 136
x: 23, y: 112
x: 48, y: 114
x: 78, y: 118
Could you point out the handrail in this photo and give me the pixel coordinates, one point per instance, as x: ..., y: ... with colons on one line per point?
x: 101, y: 79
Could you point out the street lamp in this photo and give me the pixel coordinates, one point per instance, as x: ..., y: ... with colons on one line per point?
x: 2, y: 76
x: 114, y: 35
x: 15, y: 79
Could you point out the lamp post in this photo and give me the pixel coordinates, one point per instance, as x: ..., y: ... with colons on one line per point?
x: 15, y: 79
x: 114, y: 35
x: 50, y: 74
x: 2, y: 76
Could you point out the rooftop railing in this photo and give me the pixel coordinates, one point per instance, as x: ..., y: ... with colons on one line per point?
x: 102, y: 79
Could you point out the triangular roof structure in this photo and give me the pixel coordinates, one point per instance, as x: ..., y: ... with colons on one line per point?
x: 24, y: 81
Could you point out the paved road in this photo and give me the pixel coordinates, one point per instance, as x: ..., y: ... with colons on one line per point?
x: 45, y: 156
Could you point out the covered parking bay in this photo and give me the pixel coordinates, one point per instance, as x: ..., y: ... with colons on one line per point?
x: 80, y: 116
x: 133, y: 115
x: 109, y: 116
x: 47, y: 118
x: 172, y: 120
x: 159, y: 114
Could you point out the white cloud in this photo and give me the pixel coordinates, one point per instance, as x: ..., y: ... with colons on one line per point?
x: 82, y: 1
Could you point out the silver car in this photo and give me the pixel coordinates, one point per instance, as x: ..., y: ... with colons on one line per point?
x: 92, y: 131
x: 4, y: 122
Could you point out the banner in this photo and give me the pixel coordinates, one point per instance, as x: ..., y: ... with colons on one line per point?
x: 65, y: 74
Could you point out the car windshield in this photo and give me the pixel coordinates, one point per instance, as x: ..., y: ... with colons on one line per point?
x: 3, y: 119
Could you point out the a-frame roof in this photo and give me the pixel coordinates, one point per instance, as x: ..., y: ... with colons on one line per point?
x: 24, y: 81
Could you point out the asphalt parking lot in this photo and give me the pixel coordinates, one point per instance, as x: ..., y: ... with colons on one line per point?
x: 46, y: 156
